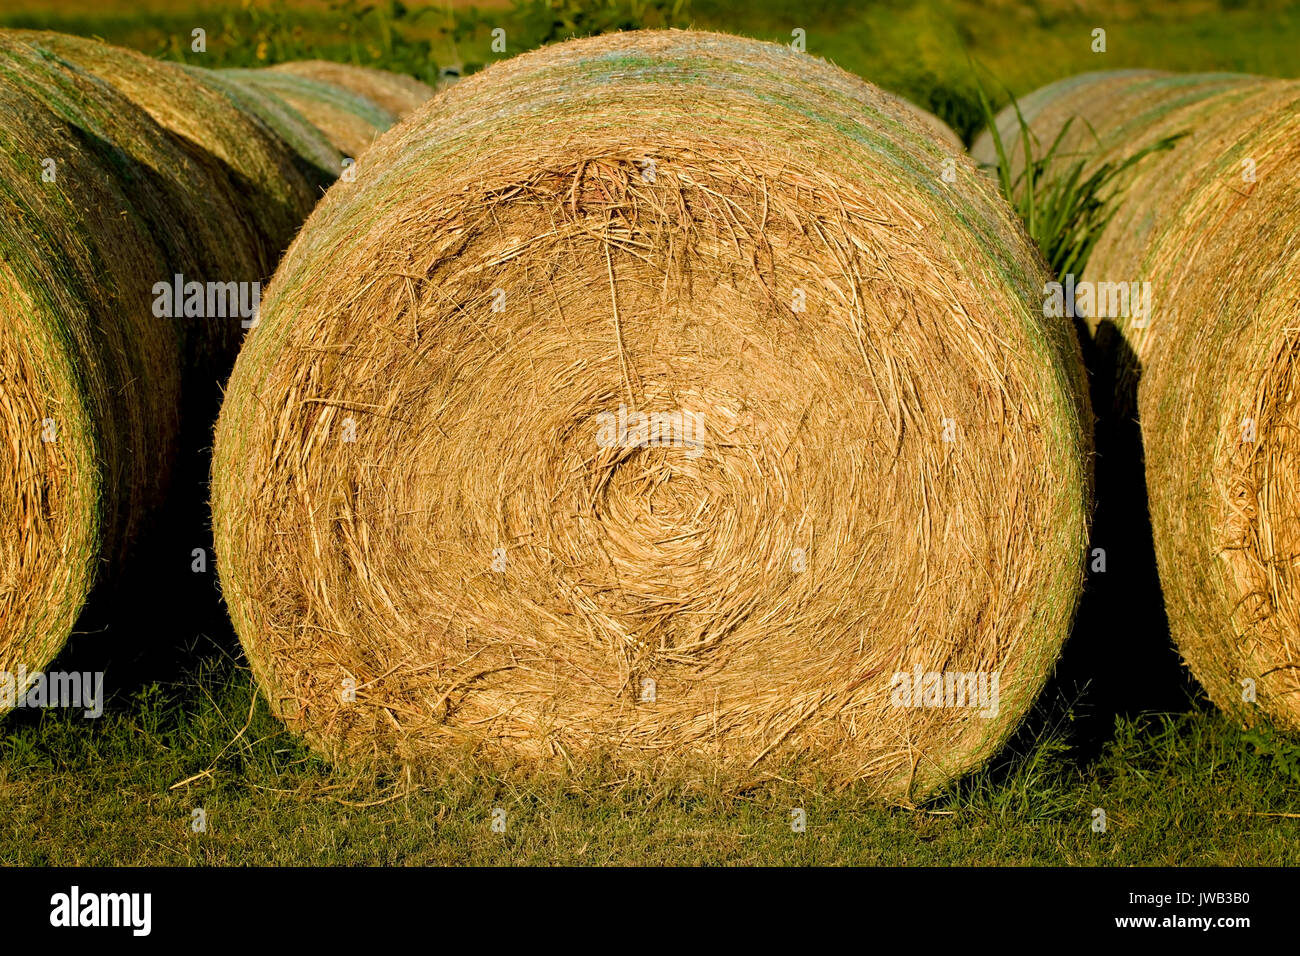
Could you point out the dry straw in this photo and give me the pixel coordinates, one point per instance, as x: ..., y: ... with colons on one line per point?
x: 118, y: 173
x: 259, y: 186
x: 1212, y: 226
x: 348, y: 120
x: 432, y: 536
x: 393, y: 92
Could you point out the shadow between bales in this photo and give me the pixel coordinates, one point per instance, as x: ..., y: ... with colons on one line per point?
x: 151, y: 617
x: 1119, y: 660
x: 155, y: 617
x: 145, y: 622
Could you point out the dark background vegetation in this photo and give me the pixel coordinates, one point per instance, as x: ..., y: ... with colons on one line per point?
x: 921, y: 49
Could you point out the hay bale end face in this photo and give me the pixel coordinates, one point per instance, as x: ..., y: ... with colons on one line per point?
x: 656, y: 396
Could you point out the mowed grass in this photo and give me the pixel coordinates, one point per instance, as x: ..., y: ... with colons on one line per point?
x: 1175, y: 789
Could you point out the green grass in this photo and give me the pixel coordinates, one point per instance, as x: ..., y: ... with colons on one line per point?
x: 1176, y: 790
x: 1064, y: 205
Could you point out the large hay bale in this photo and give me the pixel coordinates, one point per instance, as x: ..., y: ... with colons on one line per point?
x: 348, y: 120
x: 100, y: 205
x: 390, y: 91
x: 1211, y: 225
x: 1217, y: 402
x: 258, y: 170
x: 421, y: 496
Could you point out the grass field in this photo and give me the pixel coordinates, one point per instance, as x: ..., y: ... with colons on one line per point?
x: 1121, y: 729
x: 1176, y: 789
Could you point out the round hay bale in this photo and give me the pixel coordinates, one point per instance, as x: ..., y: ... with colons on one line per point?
x: 440, y: 523
x: 1087, y: 96
x: 315, y: 157
x: 100, y: 204
x: 257, y: 170
x: 937, y: 126
x: 1217, y: 362
x: 1211, y: 226
x: 1112, y: 116
x: 349, y: 121
x: 390, y: 91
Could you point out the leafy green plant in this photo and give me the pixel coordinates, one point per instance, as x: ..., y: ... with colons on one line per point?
x: 1283, y: 755
x: 387, y: 35
x: 1064, y: 199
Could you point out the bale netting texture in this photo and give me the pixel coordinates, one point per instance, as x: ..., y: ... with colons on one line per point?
x: 937, y: 126
x: 314, y: 156
x: 655, y: 398
x: 259, y: 172
x: 393, y: 92
x: 349, y: 121
x: 240, y: 194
